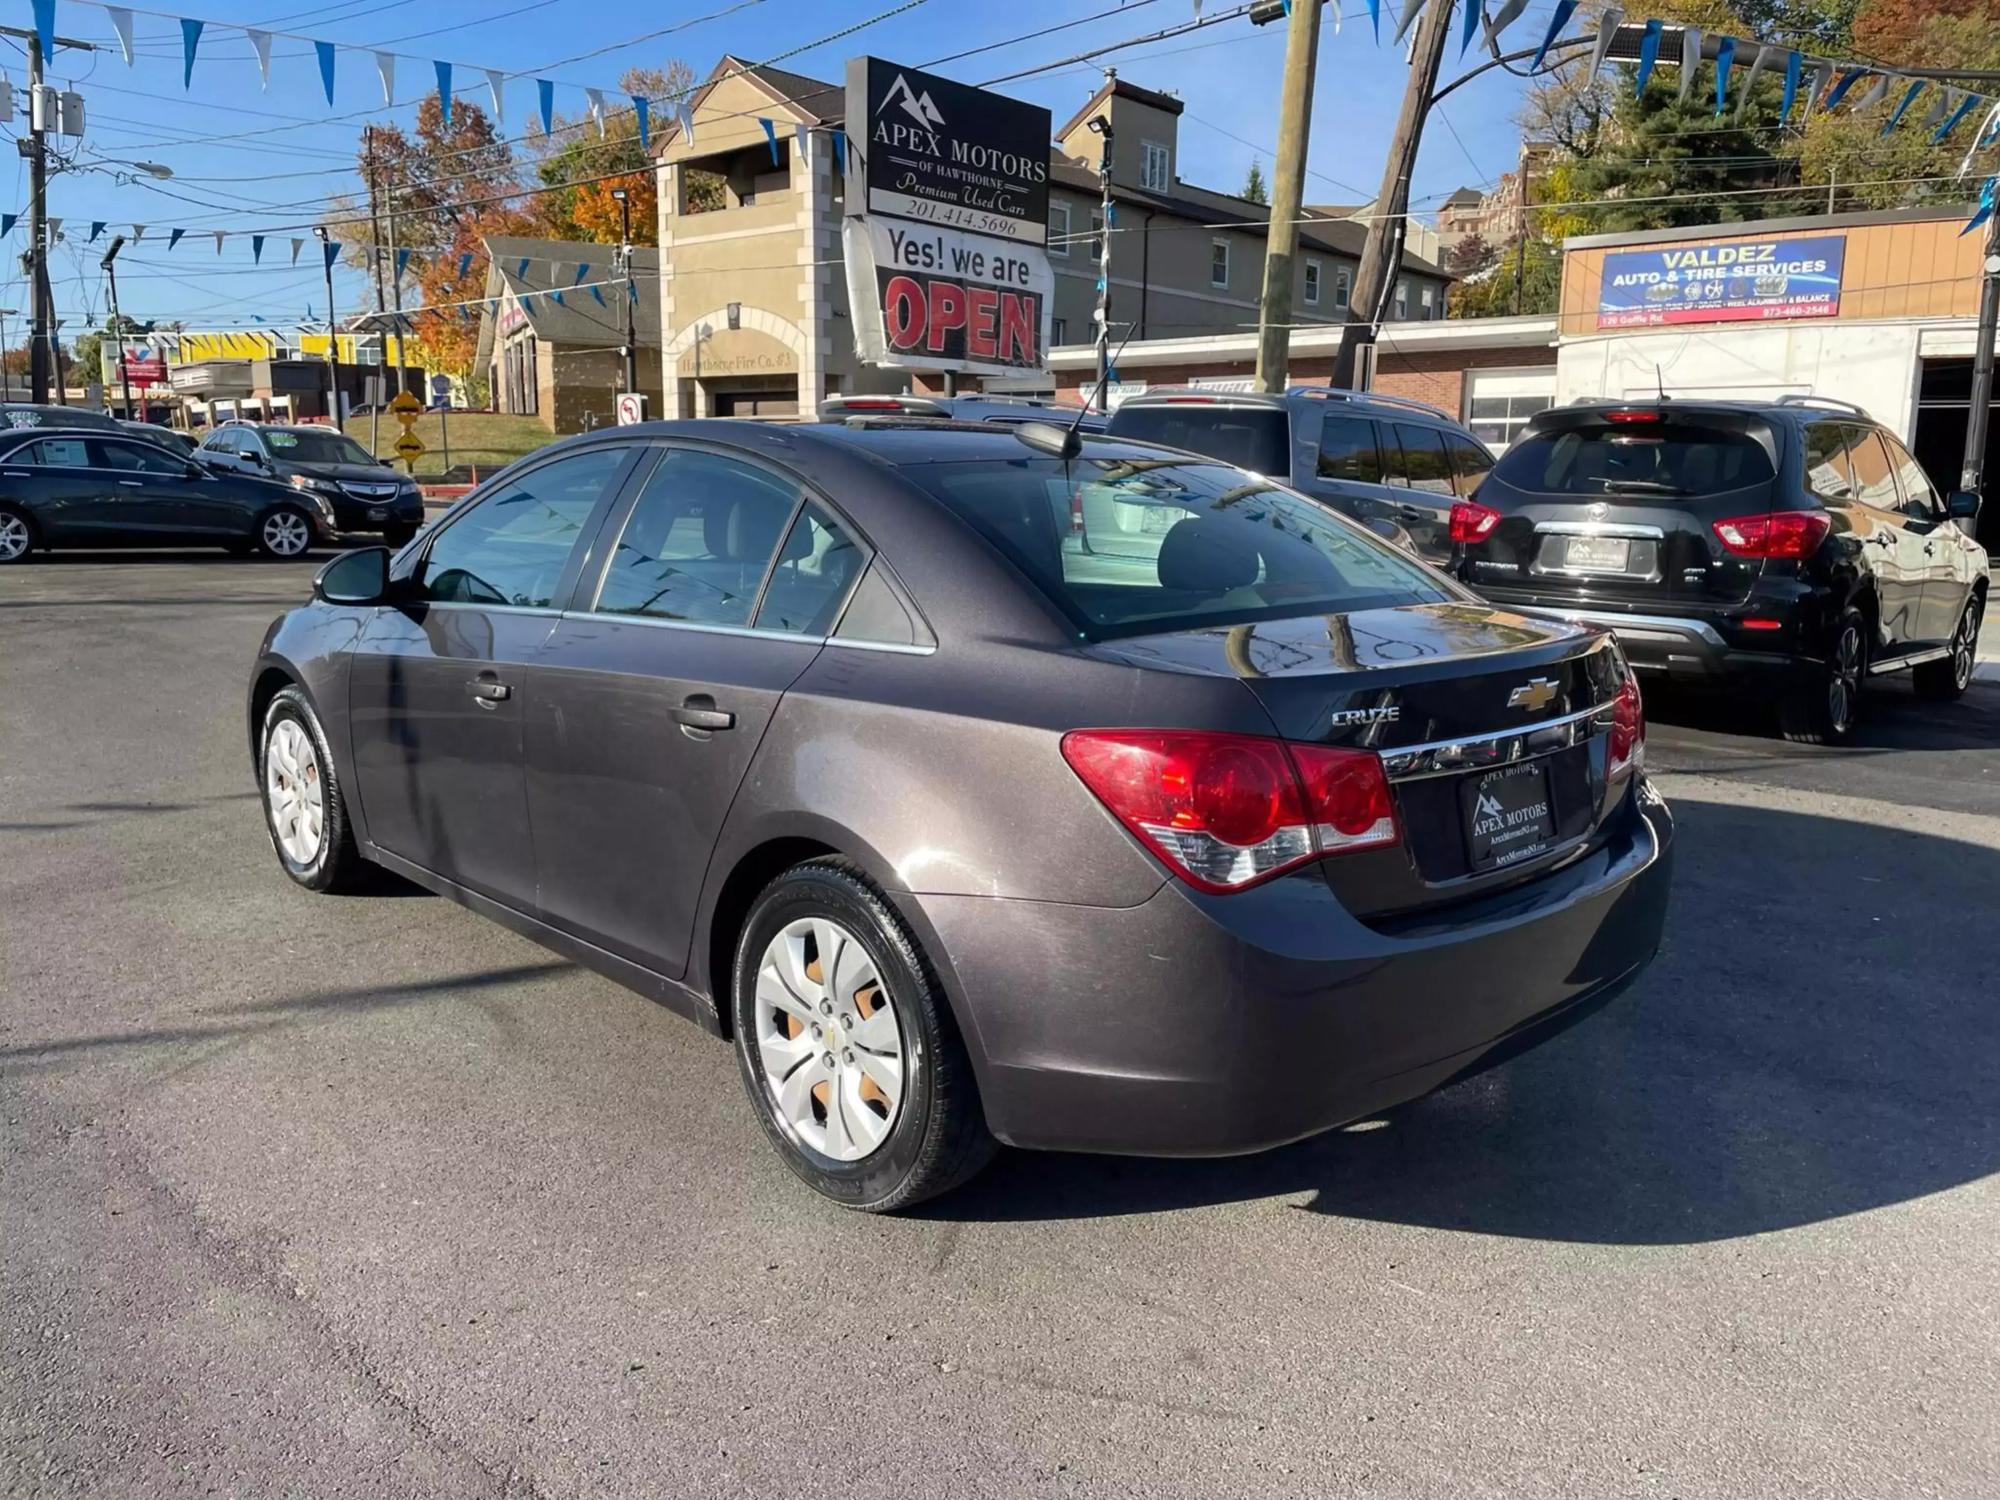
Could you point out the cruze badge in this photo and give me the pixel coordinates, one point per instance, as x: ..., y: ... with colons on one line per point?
x: 1344, y: 717
x: 1536, y: 693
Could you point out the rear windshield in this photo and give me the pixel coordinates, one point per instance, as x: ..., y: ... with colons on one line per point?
x: 1640, y: 458
x: 316, y: 447
x: 1256, y: 438
x: 1127, y: 547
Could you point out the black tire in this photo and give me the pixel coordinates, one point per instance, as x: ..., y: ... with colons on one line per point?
x: 1946, y: 681
x: 291, y: 518
x: 336, y: 865
x: 938, y: 1137
x: 1822, y: 706
x: 18, y: 538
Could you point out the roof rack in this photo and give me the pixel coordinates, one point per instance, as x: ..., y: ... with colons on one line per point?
x: 1335, y: 393
x: 1830, y: 402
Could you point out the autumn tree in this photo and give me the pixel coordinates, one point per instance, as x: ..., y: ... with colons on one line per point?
x: 577, y: 162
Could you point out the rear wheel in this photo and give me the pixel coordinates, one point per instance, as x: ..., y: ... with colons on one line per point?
x: 1943, y: 681
x: 1821, y: 708
x: 17, y: 536
x: 285, y: 533
x: 847, y: 1045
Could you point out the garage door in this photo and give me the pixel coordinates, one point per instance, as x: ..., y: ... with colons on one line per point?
x: 1498, y: 403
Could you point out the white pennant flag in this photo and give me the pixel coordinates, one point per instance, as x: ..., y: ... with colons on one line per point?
x: 261, y: 42
x: 596, y: 98
x: 1506, y: 16
x: 385, y: 64
x: 687, y: 123
x: 1876, y: 91
x: 802, y: 136
x: 1767, y: 54
x: 297, y: 245
x: 138, y: 233
x: 220, y: 235
x: 1942, y: 100
x: 494, y: 78
x: 1690, y: 59
x: 1607, y: 28
x: 55, y: 229
x: 1410, y: 9
x: 121, y: 22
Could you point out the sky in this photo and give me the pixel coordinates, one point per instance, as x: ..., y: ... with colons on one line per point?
x: 246, y: 160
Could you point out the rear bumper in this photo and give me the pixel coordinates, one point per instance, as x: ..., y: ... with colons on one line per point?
x: 1674, y: 645
x: 1192, y: 1025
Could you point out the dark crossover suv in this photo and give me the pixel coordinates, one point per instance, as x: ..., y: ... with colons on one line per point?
x: 94, y: 488
x: 363, y: 492
x: 980, y: 782
x: 1794, y: 541
x: 1397, y: 466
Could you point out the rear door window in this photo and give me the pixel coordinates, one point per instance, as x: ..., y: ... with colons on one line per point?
x: 138, y: 457
x: 815, y: 568
x: 1470, y: 462
x: 1347, y: 450
x: 59, y: 453
x: 1679, y: 457
x: 1874, y: 476
x: 1920, y: 501
x: 1257, y: 438
x: 1827, y: 472
x: 699, y: 540
x: 1425, y: 465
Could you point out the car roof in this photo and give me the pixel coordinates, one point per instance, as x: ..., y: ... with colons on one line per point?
x: 1803, y: 408
x: 891, y: 439
x: 1374, y: 402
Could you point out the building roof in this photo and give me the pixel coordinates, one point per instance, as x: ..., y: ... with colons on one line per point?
x: 1119, y: 88
x: 814, y: 100
x: 1464, y: 197
x: 553, y: 266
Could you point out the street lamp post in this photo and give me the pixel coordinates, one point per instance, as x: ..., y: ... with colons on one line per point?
x: 1102, y: 126
x: 110, y: 264
x: 624, y: 203
x: 332, y: 336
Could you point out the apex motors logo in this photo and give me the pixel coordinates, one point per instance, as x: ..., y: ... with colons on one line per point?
x: 917, y: 106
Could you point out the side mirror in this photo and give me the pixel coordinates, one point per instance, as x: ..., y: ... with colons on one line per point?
x: 1962, y: 505
x: 359, y: 578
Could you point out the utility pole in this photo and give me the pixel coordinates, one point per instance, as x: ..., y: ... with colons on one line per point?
x: 110, y: 265
x: 6, y: 380
x: 1102, y: 126
x: 332, y: 333
x: 40, y: 350
x: 1288, y: 180
x: 625, y: 268
x: 374, y: 218
x: 1382, y: 252
x: 395, y: 290
x: 1979, y: 415
x: 1521, y: 233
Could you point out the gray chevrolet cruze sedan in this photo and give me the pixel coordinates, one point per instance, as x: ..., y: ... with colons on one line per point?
x: 978, y: 788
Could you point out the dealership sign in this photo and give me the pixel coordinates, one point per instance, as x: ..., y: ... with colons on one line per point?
x: 946, y: 300
x: 948, y: 154
x: 1738, y: 281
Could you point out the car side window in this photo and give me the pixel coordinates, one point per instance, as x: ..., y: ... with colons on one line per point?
x: 1874, y: 479
x: 1920, y: 501
x: 59, y: 453
x: 1827, y: 473
x: 511, y: 548
x: 815, y: 567
x: 1470, y: 463
x: 1347, y: 450
x: 1425, y: 465
x: 699, y: 540
x: 136, y: 457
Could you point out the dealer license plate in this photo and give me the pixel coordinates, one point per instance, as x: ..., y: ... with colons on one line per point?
x: 1508, y: 816
x: 378, y: 513
x: 1598, y: 554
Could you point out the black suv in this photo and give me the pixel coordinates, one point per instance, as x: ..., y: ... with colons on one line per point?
x: 1795, y: 540
x: 1395, y: 465
x: 364, y: 494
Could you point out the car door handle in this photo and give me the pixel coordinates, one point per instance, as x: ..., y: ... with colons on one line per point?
x: 701, y: 713
x: 129, y: 484
x: 489, y: 690
x: 1881, y: 539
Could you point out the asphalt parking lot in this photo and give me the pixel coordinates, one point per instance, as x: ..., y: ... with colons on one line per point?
x: 314, y: 1196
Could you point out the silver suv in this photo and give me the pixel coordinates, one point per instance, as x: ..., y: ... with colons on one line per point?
x: 1394, y: 465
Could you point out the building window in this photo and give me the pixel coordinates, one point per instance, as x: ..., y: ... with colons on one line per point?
x: 1153, y: 167
x: 1429, y: 303
x: 1058, y: 228
x: 1218, y: 262
x: 1058, y: 331
x: 1498, y: 403
x: 1402, y: 300
x: 1312, y: 283
x: 1342, y: 284
x: 1097, y: 238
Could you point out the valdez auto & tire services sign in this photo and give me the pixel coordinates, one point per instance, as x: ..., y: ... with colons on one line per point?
x: 1735, y: 281
x: 946, y: 300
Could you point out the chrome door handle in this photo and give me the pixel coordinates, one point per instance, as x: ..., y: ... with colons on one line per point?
x: 129, y: 484
x: 489, y: 691
x: 703, y: 718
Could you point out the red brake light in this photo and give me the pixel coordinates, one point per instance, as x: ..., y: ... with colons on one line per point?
x: 1628, y: 728
x: 1190, y: 400
x: 1225, y: 811
x: 870, y: 403
x: 1631, y: 416
x: 1781, y: 533
x: 1472, y: 522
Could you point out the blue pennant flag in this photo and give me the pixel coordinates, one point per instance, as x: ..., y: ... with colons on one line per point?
x: 174, y: 237
x: 1564, y: 10
x: 402, y: 263
x: 521, y: 270
x: 1649, y: 52
x: 332, y: 249
x: 256, y: 249
x: 96, y: 228
x: 464, y: 265
x: 444, y: 89
x: 7, y: 223
x: 1724, y: 56
x: 547, y: 92
x: 582, y: 270
x: 45, y: 28
x: 1469, y: 30
x: 1909, y: 98
x: 770, y: 138
x: 1985, y: 210
x: 1840, y: 89
x: 840, y: 151
x: 325, y: 51
x: 1952, y: 120
x: 633, y: 288
x: 1375, y: 16
x: 644, y: 111
x: 598, y: 293
x: 190, y: 39
x: 1793, y: 66
x: 556, y: 296
x: 309, y: 312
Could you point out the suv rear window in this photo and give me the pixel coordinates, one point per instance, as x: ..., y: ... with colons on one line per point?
x: 1127, y: 547
x: 1638, y: 458
x: 1257, y: 438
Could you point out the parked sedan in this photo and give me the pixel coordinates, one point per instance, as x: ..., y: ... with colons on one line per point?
x: 81, y: 488
x: 1232, y: 827
x: 363, y: 492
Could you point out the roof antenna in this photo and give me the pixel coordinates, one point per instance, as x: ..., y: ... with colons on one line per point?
x: 1660, y: 379
x: 1063, y: 442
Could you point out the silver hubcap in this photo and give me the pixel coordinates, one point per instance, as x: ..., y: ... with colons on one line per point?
x: 286, y: 534
x: 1845, y: 683
x: 294, y: 790
x: 13, y: 537
x: 828, y: 1040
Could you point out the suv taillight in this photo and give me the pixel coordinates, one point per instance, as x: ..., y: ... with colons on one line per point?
x: 1778, y: 533
x: 1472, y: 522
x: 1225, y: 811
x: 1628, y: 728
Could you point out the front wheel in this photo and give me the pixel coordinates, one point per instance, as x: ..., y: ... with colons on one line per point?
x: 847, y: 1046
x: 17, y: 537
x: 1944, y: 681
x: 284, y: 533
x: 1821, y: 708
x: 305, y: 807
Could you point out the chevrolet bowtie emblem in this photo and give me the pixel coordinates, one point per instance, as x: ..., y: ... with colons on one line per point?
x: 1536, y: 693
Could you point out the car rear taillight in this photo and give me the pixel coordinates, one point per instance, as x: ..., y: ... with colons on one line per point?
x: 1628, y: 728
x: 1631, y: 417
x: 1780, y: 533
x: 1225, y: 811
x: 1472, y: 522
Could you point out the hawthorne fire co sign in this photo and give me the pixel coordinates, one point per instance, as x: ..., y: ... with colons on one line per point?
x: 945, y: 240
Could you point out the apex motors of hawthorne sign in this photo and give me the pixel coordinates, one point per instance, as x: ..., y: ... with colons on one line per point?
x: 1733, y: 281
x: 947, y: 223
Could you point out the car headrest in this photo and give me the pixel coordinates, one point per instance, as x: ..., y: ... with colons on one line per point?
x: 1208, y: 555
x: 741, y: 530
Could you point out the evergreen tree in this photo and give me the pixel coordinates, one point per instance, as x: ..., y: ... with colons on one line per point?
x: 1254, y: 190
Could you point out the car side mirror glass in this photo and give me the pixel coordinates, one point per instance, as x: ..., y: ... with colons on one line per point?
x: 360, y: 577
x: 1963, y: 505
